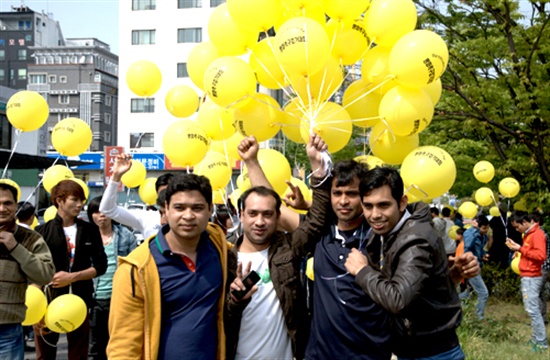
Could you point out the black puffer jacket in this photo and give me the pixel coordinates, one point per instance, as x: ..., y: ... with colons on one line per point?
x: 414, y: 284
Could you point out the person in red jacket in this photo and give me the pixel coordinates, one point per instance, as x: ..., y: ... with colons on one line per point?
x: 533, y: 255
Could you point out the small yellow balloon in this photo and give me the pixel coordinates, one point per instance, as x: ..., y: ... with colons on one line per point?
x: 198, y: 61
x: 261, y: 116
x: 50, y: 213
x: 434, y: 90
x: 309, y: 269
x: 143, y: 78
x: 216, y: 168
x: 27, y: 110
x: 484, y: 196
x: 452, y: 232
x: 468, y: 209
x: 135, y: 176
x: 36, y: 303
x: 371, y: 161
x: 514, y: 265
x: 508, y: 187
x: 147, y: 192
x: 229, y: 81
x: 181, y: 101
x: 234, y: 197
x: 494, y: 211
x: 65, y: 313
x: 484, y: 171
x: 71, y: 137
x: 83, y: 186
x: 185, y: 143
x: 54, y: 174
x: 34, y: 222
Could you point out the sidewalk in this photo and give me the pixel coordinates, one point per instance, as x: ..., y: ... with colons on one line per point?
x: 62, y: 351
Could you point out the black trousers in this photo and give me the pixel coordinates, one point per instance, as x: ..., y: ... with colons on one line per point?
x: 99, y: 331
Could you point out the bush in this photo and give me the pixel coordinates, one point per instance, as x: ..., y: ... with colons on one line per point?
x: 503, y: 284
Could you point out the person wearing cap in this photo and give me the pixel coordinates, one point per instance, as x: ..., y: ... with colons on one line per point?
x: 24, y: 258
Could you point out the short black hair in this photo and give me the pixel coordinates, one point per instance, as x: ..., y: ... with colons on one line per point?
x: 380, y: 176
x: 345, y: 171
x: 446, y: 212
x: 163, y: 180
x: 189, y: 182
x: 161, y: 198
x: 482, y: 220
x: 520, y: 216
x: 93, y: 207
x: 434, y: 210
x: 262, y: 191
x: 9, y: 188
x: 25, y: 210
x: 460, y: 231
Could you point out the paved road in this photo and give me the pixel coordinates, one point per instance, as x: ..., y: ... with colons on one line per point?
x: 62, y: 352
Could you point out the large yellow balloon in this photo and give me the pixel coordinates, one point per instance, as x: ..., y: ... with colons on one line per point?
x: 407, y: 111
x: 294, y: 111
x: 390, y: 148
x: 255, y: 15
x: 65, y: 313
x: 216, y: 121
x: 332, y: 123
x: 275, y: 167
x: 27, y: 110
x: 266, y: 66
x: 484, y: 196
x: 508, y: 187
x: 345, y: 9
x: 302, y: 46
x: 135, y: 176
x: 185, y: 143
x: 261, y: 117
x: 389, y: 20
x: 514, y: 265
x: 216, y: 168
x: 50, y: 213
x: 228, y: 81
x: 349, y: 42
x: 147, y: 191
x: 36, y: 303
x: 468, y: 209
x: 71, y: 137
x: 321, y: 85
x: 484, y: 171
x: 428, y: 170
x: 198, y: 61
x: 228, y: 146
x: 362, y: 103
x: 371, y: 161
x: 307, y: 8
x: 55, y: 174
x: 418, y: 58
x: 226, y: 34
x: 83, y: 186
x: 181, y: 101
x: 143, y: 78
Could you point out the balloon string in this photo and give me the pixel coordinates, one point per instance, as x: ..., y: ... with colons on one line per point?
x: 17, y: 134
x: 127, y: 197
x: 414, y: 186
x: 376, y: 87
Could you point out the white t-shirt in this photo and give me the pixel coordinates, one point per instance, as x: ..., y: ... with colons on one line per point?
x: 263, y: 333
x: 70, y: 235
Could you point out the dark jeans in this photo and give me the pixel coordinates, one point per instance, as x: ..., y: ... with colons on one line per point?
x: 99, y: 331
x: 77, y: 340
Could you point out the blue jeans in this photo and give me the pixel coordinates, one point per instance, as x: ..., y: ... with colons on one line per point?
x: 453, y: 354
x: 530, y: 289
x: 482, y: 295
x: 12, y: 343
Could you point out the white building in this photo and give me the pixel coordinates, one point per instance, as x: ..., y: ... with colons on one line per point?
x: 164, y: 32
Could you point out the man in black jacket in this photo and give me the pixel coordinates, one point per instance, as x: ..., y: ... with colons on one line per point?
x: 406, y: 270
x: 78, y: 255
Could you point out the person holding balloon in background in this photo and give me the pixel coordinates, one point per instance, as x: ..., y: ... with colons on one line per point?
x: 78, y: 255
x: 24, y: 258
x: 117, y: 241
x: 533, y: 255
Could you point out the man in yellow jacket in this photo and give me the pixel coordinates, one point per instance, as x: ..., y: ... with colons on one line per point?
x: 167, y: 300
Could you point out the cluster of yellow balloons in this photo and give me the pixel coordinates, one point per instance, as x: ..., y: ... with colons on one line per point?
x: 64, y: 314
x: 508, y: 187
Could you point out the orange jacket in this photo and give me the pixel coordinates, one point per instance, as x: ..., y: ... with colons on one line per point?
x: 533, y: 252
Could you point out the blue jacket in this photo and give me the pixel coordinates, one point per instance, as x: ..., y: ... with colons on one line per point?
x: 475, y: 242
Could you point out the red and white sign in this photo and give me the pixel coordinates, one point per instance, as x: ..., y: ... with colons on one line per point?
x: 111, y: 152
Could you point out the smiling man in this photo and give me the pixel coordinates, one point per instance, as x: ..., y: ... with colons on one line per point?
x: 167, y: 300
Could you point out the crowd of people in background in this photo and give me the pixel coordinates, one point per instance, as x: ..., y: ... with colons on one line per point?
x: 230, y: 283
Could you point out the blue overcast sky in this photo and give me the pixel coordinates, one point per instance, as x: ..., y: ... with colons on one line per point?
x: 78, y: 18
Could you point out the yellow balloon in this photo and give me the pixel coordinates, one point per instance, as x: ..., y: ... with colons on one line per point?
x: 255, y: 15
x: 302, y: 46
x: 185, y: 143
x: 36, y: 303
x: 452, y: 232
x: 371, y: 161
x: 468, y: 209
x: 261, y: 117
x: 294, y: 112
x: 407, y: 111
x: 321, y: 85
x: 484, y: 196
x: 228, y: 81
x: 83, y: 186
x: 362, y: 103
x: 390, y: 148
x: 181, y: 101
x: 434, y: 90
x: 389, y: 20
x: 228, y: 146
x: 418, y: 58
x: 266, y: 66
x: 494, y: 211
x: 484, y: 171
x: 34, y: 222
x: 345, y: 9
x: 275, y: 167
x: 54, y: 174
x: 135, y: 176
x: 216, y: 168
x: 234, y: 197
x: 27, y: 110
x: 50, y: 213
x: 71, y: 137
x: 241, y: 183
x: 332, y: 123
x: 216, y: 121
x: 375, y: 67
x: 508, y: 187
x: 218, y: 197
x: 309, y: 269
x: 514, y: 265
x: 147, y: 191
x: 307, y: 8
x: 143, y: 78
x: 65, y: 313
x: 12, y: 184
x: 200, y: 57
x: 428, y: 171
x: 226, y: 34
x: 349, y: 42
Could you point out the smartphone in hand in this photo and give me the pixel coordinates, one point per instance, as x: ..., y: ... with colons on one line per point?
x: 249, y: 281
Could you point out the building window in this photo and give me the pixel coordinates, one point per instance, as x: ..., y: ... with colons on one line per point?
x: 22, y: 54
x: 182, y: 70
x: 28, y: 37
x: 108, y: 100
x: 12, y: 74
x: 107, y: 119
x: 214, y: 3
x: 24, y: 25
x: 2, y: 75
x: 22, y: 74
x: 139, y: 140
x: 63, y: 79
x: 37, y: 79
x: 5, y: 133
x: 143, y: 37
x: 144, y: 5
x: 107, y: 136
x: 2, y: 55
x: 62, y: 116
x: 143, y: 105
x: 193, y: 35
x: 52, y: 79
x: 64, y: 99
x: 186, y: 4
